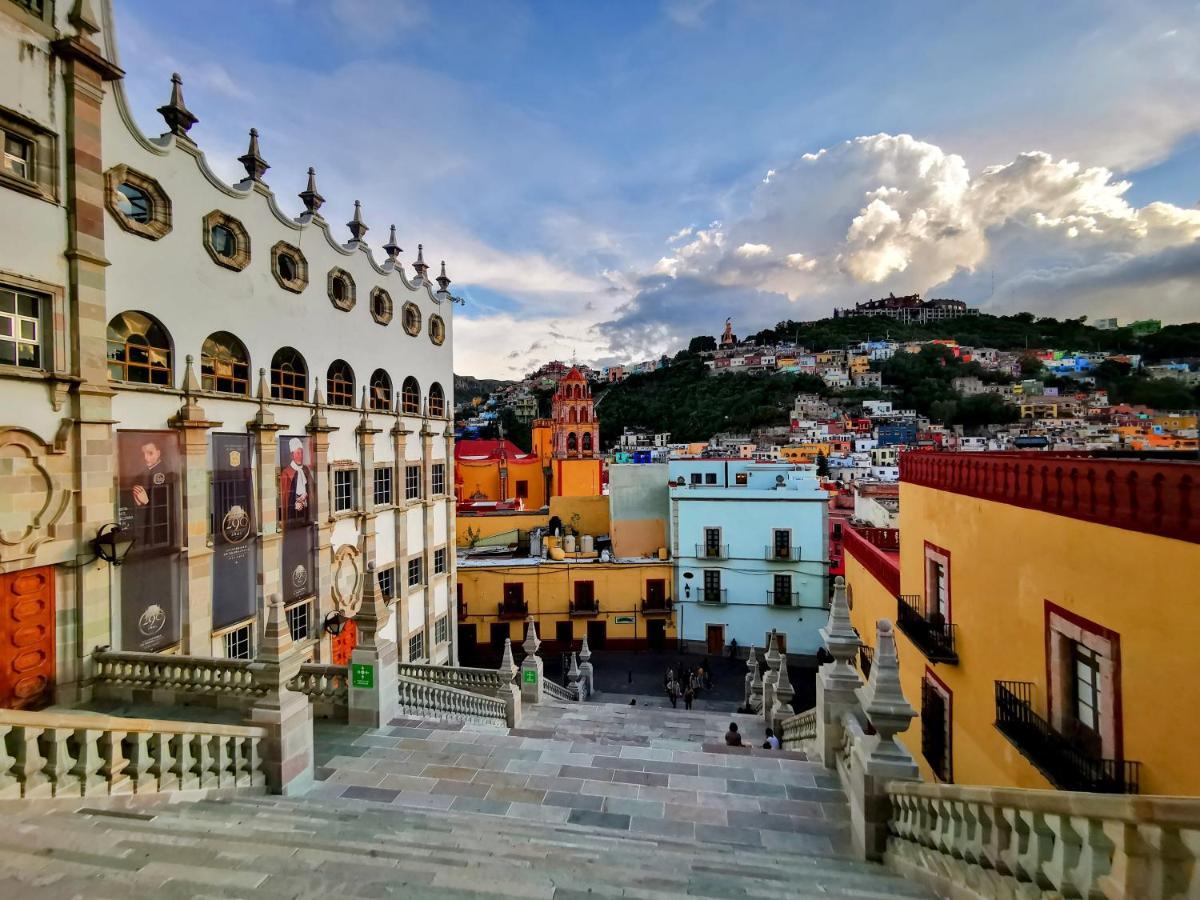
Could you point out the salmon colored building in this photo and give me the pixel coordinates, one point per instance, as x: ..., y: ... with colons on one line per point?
x: 1046, y: 614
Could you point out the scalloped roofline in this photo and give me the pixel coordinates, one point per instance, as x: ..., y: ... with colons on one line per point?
x: 167, y: 142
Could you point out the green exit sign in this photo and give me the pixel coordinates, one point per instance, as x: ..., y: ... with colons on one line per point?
x: 529, y: 676
x: 362, y: 676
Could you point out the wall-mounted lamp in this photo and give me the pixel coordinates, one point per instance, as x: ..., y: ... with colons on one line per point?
x: 112, y: 543
x: 334, y: 623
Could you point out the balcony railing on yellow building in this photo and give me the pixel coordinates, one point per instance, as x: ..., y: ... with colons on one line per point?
x: 1068, y: 766
x: 513, y: 609
x: 929, y: 631
x: 585, y: 607
x: 658, y: 606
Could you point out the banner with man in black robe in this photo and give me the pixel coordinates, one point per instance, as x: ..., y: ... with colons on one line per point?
x: 234, y: 531
x: 297, y: 517
x: 150, y: 510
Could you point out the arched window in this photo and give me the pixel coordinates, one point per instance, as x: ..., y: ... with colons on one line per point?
x: 572, y: 442
x: 224, y: 365
x: 437, y: 400
x: 587, y: 442
x: 410, y: 397
x: 340, y: 381
x: 381, y: 390
x: 572, y: 416
x: 289, y: 375
x: 139, y: 350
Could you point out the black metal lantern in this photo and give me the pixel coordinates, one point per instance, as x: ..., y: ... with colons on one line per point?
x: 112, y: 543
x: 334, y: 623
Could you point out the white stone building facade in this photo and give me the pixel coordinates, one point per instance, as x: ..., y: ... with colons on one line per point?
x: 176, y: 354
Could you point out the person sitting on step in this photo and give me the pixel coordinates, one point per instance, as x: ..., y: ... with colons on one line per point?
x: 732, y: 737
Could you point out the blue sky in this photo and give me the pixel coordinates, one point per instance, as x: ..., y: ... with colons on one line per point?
x: 611, y: 178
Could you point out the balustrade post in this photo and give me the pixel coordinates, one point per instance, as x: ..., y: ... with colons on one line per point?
x: 585, y: 668
x: 837, y: 681
x: 783, y: 696
x: 752, y: 679
x: 374, y: 682
x: 531, y: 666
x: 10, y: 787
x: 89, y: 762
x: 573, y: 678
x: 59, y: 762
x: 509, y: 692
x: 287, y: 716
x: 113, y: 763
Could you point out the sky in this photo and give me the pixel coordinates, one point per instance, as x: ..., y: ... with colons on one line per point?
x: 606, y: 180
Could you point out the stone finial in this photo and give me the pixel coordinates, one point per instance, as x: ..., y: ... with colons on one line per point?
x: 190, y: 384
x: 443, y: 280
x: 419, y: 265
x: 277, y: 636
x: 841, y: 640
x: 391, y: 248
x: 374, y: 612
x: 756, y: 686
x: 531, y: 639
x: 508, y: 668
x: 178, y: 117
x: 84, y: 18
x: 883, y: 699
x: 366, y: 401
x: 252, y: 159
x: 784, y: 692
x: 311, y: 198
x: 585, y: 652
x: 573, y: 671
x: 356, y: 225
x: 263, y: 392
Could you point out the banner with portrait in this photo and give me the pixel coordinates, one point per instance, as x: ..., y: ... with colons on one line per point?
x: 150, y: 510
x: 234, y: 530
x: 297, y: 517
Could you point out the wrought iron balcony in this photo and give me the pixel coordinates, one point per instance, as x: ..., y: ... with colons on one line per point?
x: 656, y: 607
x: 585, y: 607
x: 1068, y: 766
x: 866, y: 656
x: 783, y: 554
x: 462, y: 609
x: 783, y: 598
x: 513, y: 609
x: 712, y: 551
x: 932, y: 635
x: 712, y: 595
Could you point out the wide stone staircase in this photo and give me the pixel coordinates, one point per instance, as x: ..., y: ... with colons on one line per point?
x: 591, y: 800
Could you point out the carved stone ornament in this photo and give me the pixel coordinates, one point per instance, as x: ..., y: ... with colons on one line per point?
x: 38, y: 475
x: 347, y: 580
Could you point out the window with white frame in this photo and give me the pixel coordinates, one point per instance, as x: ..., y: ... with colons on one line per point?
x: 383, y: 485
x: 387, y: 582
x: 412, y: 482
x: 414, y: 572
x: 28, y: 156
x: 21, y: 315
x: 441, y: 629
x: 237, y: 643
x: 416, y: 646
x: 345, y: 489
x: 439, y: 479
x: 439, y: 561
x: 299, y: 618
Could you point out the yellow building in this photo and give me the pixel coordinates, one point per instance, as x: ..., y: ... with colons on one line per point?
x: 805, y: 453
x: 1046, y: 618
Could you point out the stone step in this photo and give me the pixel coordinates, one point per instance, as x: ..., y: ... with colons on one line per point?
x: 277, y: 847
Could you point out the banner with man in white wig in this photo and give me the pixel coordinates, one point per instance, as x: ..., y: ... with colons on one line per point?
x: 297, y: 517
x: 234, y: 530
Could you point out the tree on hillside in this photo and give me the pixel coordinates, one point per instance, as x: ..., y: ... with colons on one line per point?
x: 702, y: 343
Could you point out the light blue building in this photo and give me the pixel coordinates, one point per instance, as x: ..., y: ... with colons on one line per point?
x: 750, y: 542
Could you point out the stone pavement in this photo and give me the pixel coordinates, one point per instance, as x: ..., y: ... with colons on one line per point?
x: 585, y: 800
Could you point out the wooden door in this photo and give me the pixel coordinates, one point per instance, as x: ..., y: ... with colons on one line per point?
x: 27, y: 639
x: 656, y: 634
x: 343, y: 644
x: 715, y: 638
x: 597, y: 634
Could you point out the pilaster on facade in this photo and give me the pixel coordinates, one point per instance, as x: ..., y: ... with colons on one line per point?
x: 427, y: 512
x: 399, y: 435
x: 366, y: 432
x: 451, y: 556
x: 270, y: 550
x: 319, y: 429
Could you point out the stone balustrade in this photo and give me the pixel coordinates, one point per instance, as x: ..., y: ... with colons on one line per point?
x: 129, y: 677
x: 799, y: 728
x: 557, y: 692
x: 1005, y: 842
x: 51, y: 754
x: 420, y: 697
x: 480, y: 681
x: 327, y: 687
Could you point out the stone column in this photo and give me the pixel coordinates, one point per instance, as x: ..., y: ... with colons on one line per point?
x: 285, y: 714
x: 531, y: 666
x: 374, y: 680
x: 270, y: 547
x: 194, y: 426
x: 89, y: 420
x: 585, y: 668
x: 366, y: 484
x: 509, y: 692
x: 427, y: 507
x: 400, y: 527
x: 838, y: 681
x: 451, y: 555
x: 319, y: 429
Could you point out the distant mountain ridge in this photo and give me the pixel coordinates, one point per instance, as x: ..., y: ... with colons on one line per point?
x: 468, y: 386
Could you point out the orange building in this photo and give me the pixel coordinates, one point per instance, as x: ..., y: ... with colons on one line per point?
x: 564, y: 460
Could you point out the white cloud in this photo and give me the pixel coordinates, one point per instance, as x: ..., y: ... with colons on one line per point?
x: 689, y: 13
x: 753, y: 251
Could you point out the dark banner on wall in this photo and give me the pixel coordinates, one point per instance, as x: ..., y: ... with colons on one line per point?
x: 150, y: 508
x: 234, y: 530
x: 298, y: 517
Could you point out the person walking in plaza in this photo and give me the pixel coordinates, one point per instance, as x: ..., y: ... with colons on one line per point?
x: 673, y: 692
x: 689, y: 694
